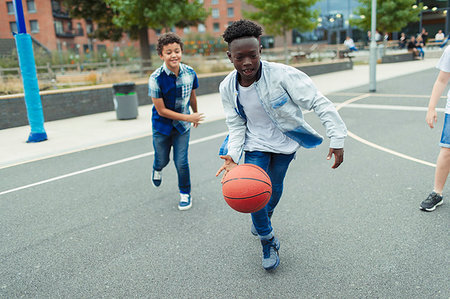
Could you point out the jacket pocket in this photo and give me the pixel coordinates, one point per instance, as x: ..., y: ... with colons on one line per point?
x: 279, y: 101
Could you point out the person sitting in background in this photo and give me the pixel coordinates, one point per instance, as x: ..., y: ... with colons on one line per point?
x: 402, y: 41
x: 424, y: 36
x: 412, y: 46
x: 439, y: 37
x: 419, y: 46
x: 350, y: 44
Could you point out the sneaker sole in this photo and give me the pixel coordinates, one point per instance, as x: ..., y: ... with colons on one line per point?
x: 154, y: 185
x: 432, y: 208
x: 271, y: 268
x: 185, y: 208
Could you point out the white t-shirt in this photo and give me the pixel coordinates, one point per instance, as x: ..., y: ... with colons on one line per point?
x: 262, y: 134
x: 444, y: 65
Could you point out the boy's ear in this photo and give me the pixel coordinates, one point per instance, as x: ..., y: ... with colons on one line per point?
x: 229, y: 55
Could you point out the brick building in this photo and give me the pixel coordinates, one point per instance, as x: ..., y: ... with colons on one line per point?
x: 50, y: 25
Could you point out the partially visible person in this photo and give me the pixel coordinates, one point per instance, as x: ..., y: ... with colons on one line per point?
x: 377, y: 36
x: 412, y: 46
x: 350, y: 44
x: 402, y: 41
x: 172, y: 89
x: 424, y: 35
x: 443, y: 161
x: 439, y: 37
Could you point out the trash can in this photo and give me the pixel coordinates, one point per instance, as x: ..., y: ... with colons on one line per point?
x: 125, y: 100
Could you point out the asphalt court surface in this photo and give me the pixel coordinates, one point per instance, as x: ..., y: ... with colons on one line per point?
x: 94, y: 226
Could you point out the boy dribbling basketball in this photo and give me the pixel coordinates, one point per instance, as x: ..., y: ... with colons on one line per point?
x: 262, y: 103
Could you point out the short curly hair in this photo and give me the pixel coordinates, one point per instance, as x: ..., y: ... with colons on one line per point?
x: 241, y: 28
x: 166, y: 39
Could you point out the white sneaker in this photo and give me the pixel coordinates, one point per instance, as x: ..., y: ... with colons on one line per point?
x: 185, y: 202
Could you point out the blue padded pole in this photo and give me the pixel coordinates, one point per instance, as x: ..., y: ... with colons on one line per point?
x: 29, y: 77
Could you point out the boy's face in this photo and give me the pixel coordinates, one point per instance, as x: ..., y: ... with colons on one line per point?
x: 245, y: 54
x: 171, y: 55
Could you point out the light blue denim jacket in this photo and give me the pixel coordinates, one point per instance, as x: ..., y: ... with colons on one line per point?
x: 283, y: 90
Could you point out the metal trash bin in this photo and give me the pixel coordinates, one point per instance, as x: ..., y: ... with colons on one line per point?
x: 125, y: 100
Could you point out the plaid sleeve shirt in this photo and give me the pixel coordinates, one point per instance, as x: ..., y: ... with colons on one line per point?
x: 176, y: 93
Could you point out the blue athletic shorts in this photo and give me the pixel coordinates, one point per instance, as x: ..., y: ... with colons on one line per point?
x: 445, y: 138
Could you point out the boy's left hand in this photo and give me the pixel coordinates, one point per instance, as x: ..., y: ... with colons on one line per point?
x: 338, y: 156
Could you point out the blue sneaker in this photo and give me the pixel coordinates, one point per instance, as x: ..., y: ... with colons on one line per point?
x: 156, y: 178
x: 270, y: 260
x: 185, y: 202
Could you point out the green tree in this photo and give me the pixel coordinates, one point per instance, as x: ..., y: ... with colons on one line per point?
x: 98, y: 11
x: 135, y: 17
x: 392, y: 15
x: 280, y: 16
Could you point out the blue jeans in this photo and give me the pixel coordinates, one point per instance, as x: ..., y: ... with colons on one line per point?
x: 276, y: 166
x: 180, y: 143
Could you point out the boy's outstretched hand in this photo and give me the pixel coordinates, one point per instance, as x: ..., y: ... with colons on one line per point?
x: 228, y: 164
x: 338, y: 156
x: 196, y: 118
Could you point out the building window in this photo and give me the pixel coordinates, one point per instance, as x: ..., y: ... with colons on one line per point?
x: 230, y: 12
x: 229, y: 1
x: 13, y: 26
x: 201, y: 28
x: 10, y: 7
x: 158, y: 31
x: 214, y: 1
x: 200, y: 1
x: 31, y: 6
x: 186, y: 29
x: 89, y: 28
x: 80, y: 31
x: 216, y: 27
x: 34, y: 26
x: 58, y: 27
x: 215, y: 13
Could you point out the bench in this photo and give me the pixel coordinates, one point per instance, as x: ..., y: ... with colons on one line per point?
x: 391, y: 58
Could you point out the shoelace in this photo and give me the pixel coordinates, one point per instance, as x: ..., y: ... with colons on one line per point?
x: 157, y: 175
x: 267, y: 244
x: 184, y: 198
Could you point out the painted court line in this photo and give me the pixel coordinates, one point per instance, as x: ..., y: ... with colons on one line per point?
x: 371, y: 144
x: 345, y: 104
x: 105, y: 165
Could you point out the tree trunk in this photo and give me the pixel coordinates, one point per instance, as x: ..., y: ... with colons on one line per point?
x: 144, y: 47
x: 286, y: 57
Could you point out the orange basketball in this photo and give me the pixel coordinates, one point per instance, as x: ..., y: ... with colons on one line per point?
x: 247, y: 188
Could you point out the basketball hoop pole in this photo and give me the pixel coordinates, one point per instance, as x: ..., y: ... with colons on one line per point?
x: 27, y: 66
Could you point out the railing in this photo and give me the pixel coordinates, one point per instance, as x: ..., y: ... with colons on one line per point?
x: 49, y: 71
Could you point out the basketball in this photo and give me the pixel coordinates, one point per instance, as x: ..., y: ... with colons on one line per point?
x: 247, y: 188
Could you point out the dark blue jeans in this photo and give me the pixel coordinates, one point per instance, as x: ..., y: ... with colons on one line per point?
x: 276, y: 166
x: 180, y: 143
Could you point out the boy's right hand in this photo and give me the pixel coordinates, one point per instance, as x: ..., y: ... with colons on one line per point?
x: 228, y: 164
x: 431, y: 117
x: 196, y: 118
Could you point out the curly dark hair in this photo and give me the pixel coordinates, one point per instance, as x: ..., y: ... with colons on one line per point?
x: 241, y: 28
x: 166, y: 39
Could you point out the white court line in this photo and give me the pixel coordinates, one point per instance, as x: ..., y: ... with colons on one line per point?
x: 371, y: 144
x: 346, y: 104
x: 104, y: 165
x: 391, y: 107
